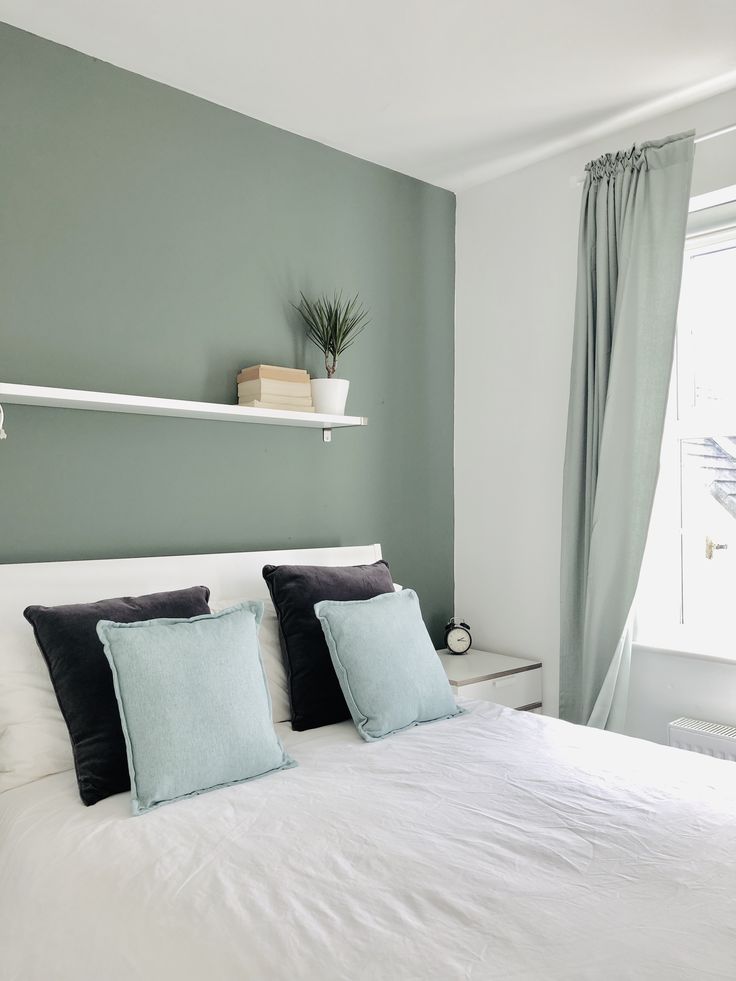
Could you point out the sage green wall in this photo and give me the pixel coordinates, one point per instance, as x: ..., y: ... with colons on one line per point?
x: 151, y: 243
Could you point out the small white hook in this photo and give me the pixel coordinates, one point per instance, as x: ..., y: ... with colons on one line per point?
x: 3, y: 434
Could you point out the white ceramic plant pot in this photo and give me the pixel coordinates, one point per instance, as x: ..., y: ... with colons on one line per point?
x: 329, y: 395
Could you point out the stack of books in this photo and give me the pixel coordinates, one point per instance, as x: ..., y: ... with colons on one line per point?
x: 267, y: 386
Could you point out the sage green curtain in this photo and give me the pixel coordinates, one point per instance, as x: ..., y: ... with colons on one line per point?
x: 632, y: 235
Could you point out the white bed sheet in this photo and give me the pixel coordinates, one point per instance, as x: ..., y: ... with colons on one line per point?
x: 496, y: 845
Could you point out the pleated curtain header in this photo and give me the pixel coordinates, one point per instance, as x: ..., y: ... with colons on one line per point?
x: 671, y: 150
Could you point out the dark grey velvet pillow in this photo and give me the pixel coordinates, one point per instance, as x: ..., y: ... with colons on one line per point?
x: 82, y: 680
x: 314, y: 691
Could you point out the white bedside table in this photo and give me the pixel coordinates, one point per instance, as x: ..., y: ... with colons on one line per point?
x: 510, y: 681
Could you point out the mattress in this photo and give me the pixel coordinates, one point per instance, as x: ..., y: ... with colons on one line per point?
x: 495, y: 845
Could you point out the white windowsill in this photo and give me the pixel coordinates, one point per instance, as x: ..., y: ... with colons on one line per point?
x: 682, y: 642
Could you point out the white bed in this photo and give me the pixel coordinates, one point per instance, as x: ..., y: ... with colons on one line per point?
x: 493, y: 845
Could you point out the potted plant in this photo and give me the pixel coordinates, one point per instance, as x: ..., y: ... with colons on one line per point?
x: 332, y: 324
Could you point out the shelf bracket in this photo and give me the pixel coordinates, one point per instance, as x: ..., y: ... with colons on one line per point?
x: 326, y: 435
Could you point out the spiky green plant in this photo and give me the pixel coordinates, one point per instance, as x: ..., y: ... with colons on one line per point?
x: 333, y: 324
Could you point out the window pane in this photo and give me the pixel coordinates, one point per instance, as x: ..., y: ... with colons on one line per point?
x: 708, y: 481
x: 707, y: 331
x: 689, y: 571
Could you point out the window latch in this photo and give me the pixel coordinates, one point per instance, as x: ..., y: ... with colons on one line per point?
x: 711, y: 547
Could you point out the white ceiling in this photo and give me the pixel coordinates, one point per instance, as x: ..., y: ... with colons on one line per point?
x: 451, y: 91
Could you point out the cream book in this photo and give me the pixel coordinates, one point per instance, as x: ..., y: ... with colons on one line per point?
x: 269, y: 388
x: 274, y: 372
x: 285, y: 407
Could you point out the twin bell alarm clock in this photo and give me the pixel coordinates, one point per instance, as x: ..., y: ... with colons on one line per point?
x: 457, y: 637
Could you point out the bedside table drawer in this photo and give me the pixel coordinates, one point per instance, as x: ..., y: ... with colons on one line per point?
x: 520, y: 690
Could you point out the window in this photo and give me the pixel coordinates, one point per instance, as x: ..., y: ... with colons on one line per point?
x: 687, y: 592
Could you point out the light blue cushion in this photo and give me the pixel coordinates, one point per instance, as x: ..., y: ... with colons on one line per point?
x: 387, y: 667
x: 194, y: 706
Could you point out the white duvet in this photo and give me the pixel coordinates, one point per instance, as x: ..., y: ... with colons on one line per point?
x: 493, y: 845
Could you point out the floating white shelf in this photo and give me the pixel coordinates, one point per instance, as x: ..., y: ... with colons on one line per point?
x: 68, y: 398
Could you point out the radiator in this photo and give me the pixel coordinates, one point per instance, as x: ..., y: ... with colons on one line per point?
x: 708, y: 738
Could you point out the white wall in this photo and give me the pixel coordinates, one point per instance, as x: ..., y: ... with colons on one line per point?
x: 515, y: 289
x: 666, y: 684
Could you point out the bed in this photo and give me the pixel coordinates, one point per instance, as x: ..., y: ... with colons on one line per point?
x: 496, y: 844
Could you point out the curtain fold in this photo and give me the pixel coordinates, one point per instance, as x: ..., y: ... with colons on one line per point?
x: 631, y: 243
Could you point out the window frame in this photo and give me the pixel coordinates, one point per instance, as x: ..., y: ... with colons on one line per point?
x: 659, y: 605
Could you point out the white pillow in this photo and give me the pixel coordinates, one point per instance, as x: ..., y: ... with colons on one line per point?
x: 273, y: 662
x: 34, y: 740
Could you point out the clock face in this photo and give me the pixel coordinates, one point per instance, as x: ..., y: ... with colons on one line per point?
x: 458, y: 640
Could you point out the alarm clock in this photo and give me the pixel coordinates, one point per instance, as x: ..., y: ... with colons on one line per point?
x: 457, y: 637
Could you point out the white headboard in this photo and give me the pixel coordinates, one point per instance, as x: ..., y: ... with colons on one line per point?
x: 229, y: 575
